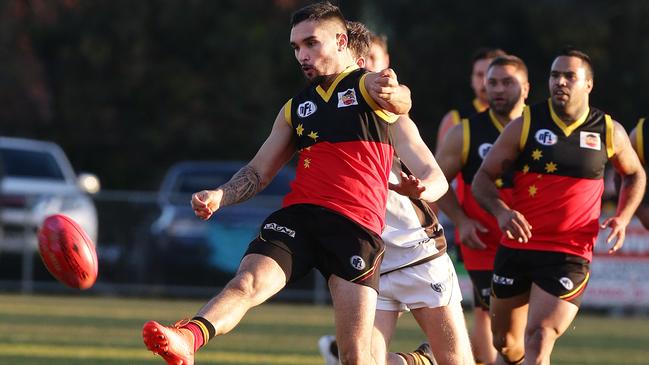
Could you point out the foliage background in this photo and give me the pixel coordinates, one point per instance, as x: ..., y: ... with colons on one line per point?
x: 129, y: 87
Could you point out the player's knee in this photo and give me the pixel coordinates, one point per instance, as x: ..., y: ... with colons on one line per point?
x: 352, y: 357
x: 510, y: 348
x: 246, y: 285
x: 535, y: 337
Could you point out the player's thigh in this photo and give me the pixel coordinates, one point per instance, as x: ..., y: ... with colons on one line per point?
x: 444, y: 327
x: 508, y: 320
x: 547, y: 311
x: 354, y: 311
x: 259, y: 276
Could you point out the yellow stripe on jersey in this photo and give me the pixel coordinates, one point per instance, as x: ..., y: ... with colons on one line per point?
x: 577, y: 289
x: 455, y: 117
x: 466, y: 140
x: 527, y: 119
x: 326, y: 95
x: 639, y: 140
x: 610, y: 128
x: 495, y: 121
x: 567, y: 129
x: 287, y: 112
x: 383, y: 114
x: 479, y: 106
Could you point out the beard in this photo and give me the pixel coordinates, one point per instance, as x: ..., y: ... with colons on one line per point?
x: 504, y: 107
x: 315, y: 81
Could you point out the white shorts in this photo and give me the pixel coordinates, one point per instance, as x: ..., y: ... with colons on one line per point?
x: 429, y: 285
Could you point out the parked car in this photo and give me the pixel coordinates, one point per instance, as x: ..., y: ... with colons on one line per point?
x: 184, y: 244
x: 37, y: 180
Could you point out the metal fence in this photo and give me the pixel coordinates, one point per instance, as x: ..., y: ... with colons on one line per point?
x: 128, y: 259
x: 130, y: 263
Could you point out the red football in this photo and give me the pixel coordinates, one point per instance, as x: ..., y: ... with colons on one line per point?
x: 67, y: 252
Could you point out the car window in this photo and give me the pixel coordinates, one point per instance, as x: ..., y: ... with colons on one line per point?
x: 29, y: 164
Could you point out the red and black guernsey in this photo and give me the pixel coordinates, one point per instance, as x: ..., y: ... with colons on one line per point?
x: 465, y: 111
x: 558, y: 182
x: 478, y: 136
x: 640, y: 136
x: 345, y: 150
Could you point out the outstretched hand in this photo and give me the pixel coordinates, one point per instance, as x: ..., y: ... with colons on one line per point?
x: 409, y: 186
x: 618, y: 232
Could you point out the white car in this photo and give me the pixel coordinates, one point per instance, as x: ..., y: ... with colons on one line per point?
x: 37, y: 180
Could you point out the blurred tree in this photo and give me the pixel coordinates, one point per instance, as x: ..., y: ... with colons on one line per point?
x: 129, y: 87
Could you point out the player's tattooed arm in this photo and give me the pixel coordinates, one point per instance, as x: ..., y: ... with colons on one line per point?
x: 245, y: 184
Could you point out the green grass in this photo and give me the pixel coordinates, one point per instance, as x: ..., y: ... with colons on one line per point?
x: 75, y: 330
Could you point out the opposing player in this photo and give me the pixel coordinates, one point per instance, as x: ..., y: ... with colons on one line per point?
x: 558, y: 150
x: 416, y: 273
x: 462, y: 152
x: 340, y: 124
x: 638, y: 137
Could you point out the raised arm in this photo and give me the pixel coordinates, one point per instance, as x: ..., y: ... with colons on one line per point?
x: 427, y: 181
x: 626, y: 163
x: 252, y: 178
x: 501, y: 157
x: 385, y: 90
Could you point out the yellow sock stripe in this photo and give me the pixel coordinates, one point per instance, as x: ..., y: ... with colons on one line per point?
x: 206, y: 333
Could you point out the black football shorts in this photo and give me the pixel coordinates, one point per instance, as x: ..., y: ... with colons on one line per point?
x: 304, y: 236
x: 560, y: 274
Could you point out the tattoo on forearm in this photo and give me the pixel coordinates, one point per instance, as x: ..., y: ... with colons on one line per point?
x: 243, y: 186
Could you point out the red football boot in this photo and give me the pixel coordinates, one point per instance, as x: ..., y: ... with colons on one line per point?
x: 174, y: 344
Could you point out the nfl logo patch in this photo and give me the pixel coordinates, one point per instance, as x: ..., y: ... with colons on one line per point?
x: 347, y: 98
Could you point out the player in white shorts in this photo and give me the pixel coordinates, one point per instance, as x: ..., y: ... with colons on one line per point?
x: 418, y: 276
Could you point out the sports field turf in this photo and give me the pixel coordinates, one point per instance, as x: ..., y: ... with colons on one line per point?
x: 75, y: 330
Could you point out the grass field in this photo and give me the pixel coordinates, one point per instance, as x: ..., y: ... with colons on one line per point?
x: 45, y: 330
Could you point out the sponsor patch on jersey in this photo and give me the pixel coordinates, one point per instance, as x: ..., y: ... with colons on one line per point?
x: 545, y: 137
x: 347, y: 98
x: 484, y: 149
x: 305, y: 109
x: 567, y: 283
x: 590, y: 140
x: 357, y: 262
x: 502, y: 280
x: 281, y: 229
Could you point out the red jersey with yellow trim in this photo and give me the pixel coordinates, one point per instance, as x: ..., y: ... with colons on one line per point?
x: 345, y: 150
x: 558, y: 183
x: 479, y: 133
